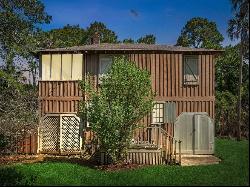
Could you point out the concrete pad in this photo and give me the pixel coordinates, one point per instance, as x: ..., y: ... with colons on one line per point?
x: 195, y: 160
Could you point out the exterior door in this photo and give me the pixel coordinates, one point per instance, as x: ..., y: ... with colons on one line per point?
x: 196, y: 131
x: 203, y: 134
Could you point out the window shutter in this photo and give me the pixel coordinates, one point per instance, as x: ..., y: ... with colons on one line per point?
x: 170, y: 112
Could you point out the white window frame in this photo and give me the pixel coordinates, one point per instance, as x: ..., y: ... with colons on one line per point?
x: 190, y: 79
x: 163, y: 113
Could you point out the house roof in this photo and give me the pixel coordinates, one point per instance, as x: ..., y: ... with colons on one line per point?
x: 128, y: 47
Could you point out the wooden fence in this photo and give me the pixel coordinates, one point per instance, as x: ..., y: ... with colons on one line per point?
x: 20, y: 143
x: 28, y: 144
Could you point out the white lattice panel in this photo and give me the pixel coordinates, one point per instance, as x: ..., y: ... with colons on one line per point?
x: 70, y: 134
x: 50, y: 134
x: 60, y: 133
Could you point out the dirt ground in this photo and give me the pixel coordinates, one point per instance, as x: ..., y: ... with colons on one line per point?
x: 13, y: 159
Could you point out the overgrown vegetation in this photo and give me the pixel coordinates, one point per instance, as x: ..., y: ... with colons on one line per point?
x: 231, y: 68
x: 227, y: 75
x: 113, y: 111
x: 232, y: 171
x: 18, y: 111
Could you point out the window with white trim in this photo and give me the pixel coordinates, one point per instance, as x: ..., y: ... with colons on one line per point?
x: 190, y: 70
x: 105, y: 62
x: 158, y: 113
x: 164, y: 112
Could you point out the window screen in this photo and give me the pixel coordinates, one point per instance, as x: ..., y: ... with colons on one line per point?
x: 104, y: 64
x: 191, y: 74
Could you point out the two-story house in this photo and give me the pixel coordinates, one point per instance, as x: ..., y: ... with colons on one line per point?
x: 183, y: 79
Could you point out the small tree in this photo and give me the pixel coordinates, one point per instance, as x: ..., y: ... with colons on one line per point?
x: 114, y: 111
x: 200, y: 33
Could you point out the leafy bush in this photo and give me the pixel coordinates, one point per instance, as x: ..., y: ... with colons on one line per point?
x: 18, y: 109
x: 113, y: 111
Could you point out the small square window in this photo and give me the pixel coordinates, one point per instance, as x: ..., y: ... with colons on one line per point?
x: 190, y: 70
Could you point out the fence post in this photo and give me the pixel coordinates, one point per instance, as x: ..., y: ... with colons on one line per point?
x: 30, y: 144
x: 179, y: 152
x: 175, y: 142
x: 167, y: 149
x: 38, y: 139
x: 171, y: 150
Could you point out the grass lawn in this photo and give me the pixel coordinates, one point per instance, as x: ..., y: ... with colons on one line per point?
x: 233, y: 170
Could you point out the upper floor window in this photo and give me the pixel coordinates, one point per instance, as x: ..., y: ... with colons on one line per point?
x: 190, y: 70
x: 57, y: 67
x: 105, y: 62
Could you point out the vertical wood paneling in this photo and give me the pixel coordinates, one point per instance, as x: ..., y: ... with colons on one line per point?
x: 172, y: 70
x: 157, y: 75
x: 200, y: 75
x: 203, y: 78
x: 177, y: 76
x: 169, y: 75
x: 161, y: 72
x: 59, y: 91
x: 166, y: 76
x: 207, y: 78
x: 153, y: 71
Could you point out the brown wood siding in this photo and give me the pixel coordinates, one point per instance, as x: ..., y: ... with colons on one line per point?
x: 167, y: 81
x: 59, y: 96
x: 166, y: 71
x: 92, y: 68
x: 167, y: 76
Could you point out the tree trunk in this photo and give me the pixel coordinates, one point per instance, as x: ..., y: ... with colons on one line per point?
x: 239, y: 94
x: 34, y: 76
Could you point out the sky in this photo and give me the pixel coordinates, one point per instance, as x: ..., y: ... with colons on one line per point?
x: 136, y: 18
